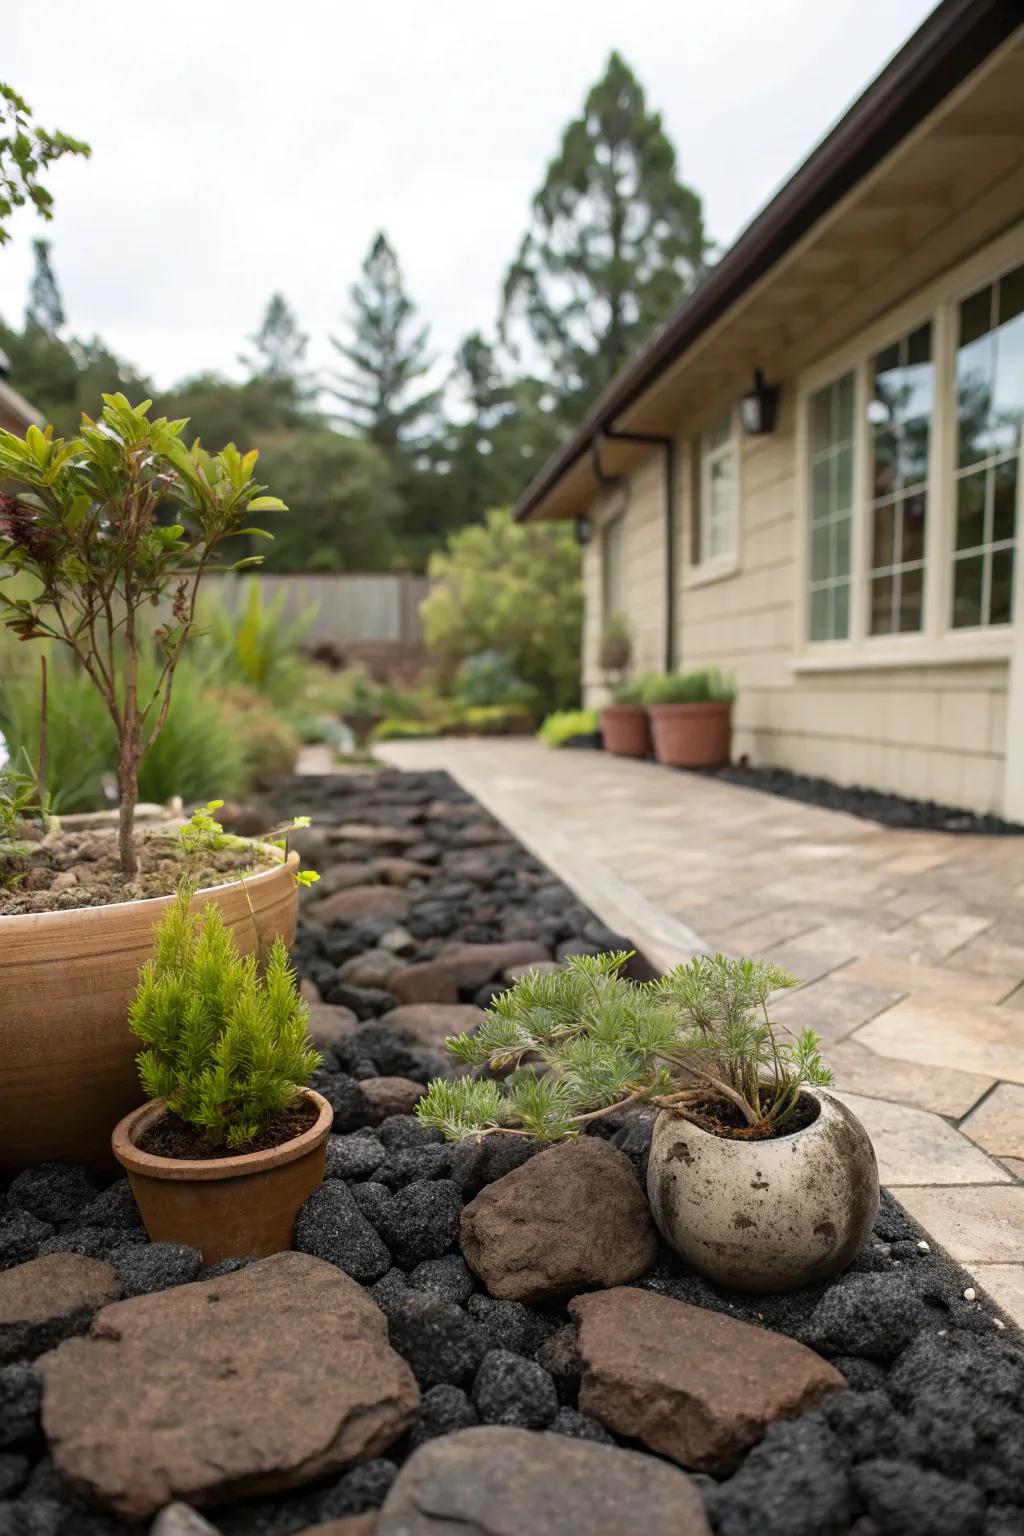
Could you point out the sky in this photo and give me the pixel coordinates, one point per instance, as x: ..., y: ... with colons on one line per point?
x: 242, y: 146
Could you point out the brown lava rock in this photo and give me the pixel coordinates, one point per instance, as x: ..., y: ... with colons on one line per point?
x: 690, y: 1384
x: 329, y: 1023
x: 573, y: 1216
x: 461, y: 966
x: 391, y: 1095
x: 430, y: 1024
x: 270, y: 1377
x: 364, y: 901
x: 49, y: 1299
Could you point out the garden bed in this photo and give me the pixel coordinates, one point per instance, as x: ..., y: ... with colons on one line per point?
x: 425, y: 908
x: 871, y: 804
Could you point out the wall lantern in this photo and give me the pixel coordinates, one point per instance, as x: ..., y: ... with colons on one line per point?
x: 759, y: 408
x: 582, y: 530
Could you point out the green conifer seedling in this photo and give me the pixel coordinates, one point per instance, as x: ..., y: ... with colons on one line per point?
x: 226, y: 1045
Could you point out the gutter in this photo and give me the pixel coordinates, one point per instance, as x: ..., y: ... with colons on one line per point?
x: 951, y: 43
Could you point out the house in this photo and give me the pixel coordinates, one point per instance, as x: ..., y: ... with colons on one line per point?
x: 16, y: 415
x: 812, y: 474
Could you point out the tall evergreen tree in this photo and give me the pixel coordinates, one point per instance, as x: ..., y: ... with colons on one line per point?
x: 279, y: 345
x: 614, y: 240
x: 44, y: 309
x: 388, y: 359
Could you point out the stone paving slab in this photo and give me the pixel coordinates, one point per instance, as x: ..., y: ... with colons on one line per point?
x: 975, y: 1224
x: 942, y: 1090
x: 916, y: 1147
x: 998, y: 1124
x: 981, y: 1039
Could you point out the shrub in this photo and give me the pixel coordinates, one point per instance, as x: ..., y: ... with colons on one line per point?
x: 688, y: 687
x: 565, y: 725
x: 270, y: 744
x: 636, y: 691
x: 515, y: 588
x: 488, y: 679
x: 251, y: 643
x: 699, y: 1035
x: 398, y: 728
x: 226, y: 1047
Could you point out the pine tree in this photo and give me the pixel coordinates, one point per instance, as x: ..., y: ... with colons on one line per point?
x: 280, y: 346
x: 44, y: 309
x: 389, y: 357
x: 615, y: 239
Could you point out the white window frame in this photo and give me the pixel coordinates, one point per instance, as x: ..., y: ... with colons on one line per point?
x: 702, y: 460
x: 937, y: 643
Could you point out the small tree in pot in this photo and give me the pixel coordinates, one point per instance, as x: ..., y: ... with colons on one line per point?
x: 737, y: 1096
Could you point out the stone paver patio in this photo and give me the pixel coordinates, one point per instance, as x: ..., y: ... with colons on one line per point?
x: 910, y: 944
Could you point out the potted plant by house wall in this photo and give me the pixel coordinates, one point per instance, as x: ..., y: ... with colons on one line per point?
x: 758, y: 1177
x: 624, y: 729
x: 232, y: 1141
x: 95, y: 531
x: 691, y: 718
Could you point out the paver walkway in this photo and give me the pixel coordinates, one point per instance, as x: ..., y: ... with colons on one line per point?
x: 910, y: 945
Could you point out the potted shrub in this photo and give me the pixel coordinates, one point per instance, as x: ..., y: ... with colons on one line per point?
x: 758, y: 1178
x: 232, y: 1142
x: 624, y: 722
x: 97, y: 530
x: 691, y: 718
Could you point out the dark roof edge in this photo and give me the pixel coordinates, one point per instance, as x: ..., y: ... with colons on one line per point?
x: 950, y: 44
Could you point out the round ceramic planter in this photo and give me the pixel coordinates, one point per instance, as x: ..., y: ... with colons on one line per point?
x: 765, y: 1215
x: 231, y: 1207
x: 692, y: 735
x: 67, y: 1056
x: 624, y: 730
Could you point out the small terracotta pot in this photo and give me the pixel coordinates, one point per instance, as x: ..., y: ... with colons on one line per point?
x: 692, y: 735
x: 230, y: 1207
x: 624, y: 730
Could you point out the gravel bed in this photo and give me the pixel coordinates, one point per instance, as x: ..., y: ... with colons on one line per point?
x: 928, y: 1439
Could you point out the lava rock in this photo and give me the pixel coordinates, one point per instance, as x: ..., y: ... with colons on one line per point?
x: 113, y: 1207
x: 635, y: 1140
x: 901, y: 1497
x: 860, y: 1375
x: 476, y: 1164
x: 404, y: 1131
x: 20, y: 1237
x: 568, y: 1421
x: 511, y: 1325
x: 21, y: 1393
x: 380, y: 1044
x: 436, y: 1338
x: 794, y: 1483
x: 353, y: 1157
x: 346, y: 1098
x: 50, y: 1299
x: 365, y: 1487
x: 142, y: 1268
x: 874, y: 1316
x: 373, y: 968
x: 33, y: 1517
x: 365, y: 1002
x: 443, y: 1410
x: 560, y: 1357
x: 422, y: 1221
x: 53, y: 1192
x: 373, y: 1200
x: 223, y: 1267
x: 449, y: 1277
x: 388, y: 1096
x: 430, y: 1024
x: 94, y: 1242
x: 330, y: 1024
x: 511, y: 1390
x: 331, y: 1226
x: 414, y: 1165
x: 364, y: 901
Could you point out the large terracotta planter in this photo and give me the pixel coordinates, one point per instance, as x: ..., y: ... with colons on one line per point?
x: 692, y: 735
x: 230, y: 1207
x: 67, y: 1056
x: 624, y: 730
x: 765, y: 1215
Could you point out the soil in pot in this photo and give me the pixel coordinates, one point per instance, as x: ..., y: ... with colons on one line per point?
x: 722, y: 1118
x: 170, y: 1136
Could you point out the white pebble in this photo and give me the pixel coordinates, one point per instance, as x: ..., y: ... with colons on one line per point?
x: 970, y: 1293
x: 924, y: 1247
x: 999, y: 1322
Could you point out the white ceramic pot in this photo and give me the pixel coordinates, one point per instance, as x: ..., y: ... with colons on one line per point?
x: 765, y: 1215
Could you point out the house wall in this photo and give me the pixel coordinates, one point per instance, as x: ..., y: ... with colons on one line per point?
x: 933, y: 728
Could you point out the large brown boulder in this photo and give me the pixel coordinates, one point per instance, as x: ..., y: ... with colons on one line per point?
x: 49, y: 1299
x: 573, y: 1216
x: 497, y: 1481
x: 267, y: 1378
x: 461, y: 967
x: 690, y: 1384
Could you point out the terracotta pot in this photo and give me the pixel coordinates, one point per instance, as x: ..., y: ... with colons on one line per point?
x: 67, y: 1056
x: 765, y: 1215
x: 230, y: 1207
x: 624, y: 730
x: 692, y: 735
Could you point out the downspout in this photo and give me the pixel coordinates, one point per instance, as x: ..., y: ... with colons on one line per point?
x: 667, y: 444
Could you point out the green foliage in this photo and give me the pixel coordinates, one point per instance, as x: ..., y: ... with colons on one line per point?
x: 250, y: 642
x: 616, y: 645
x: 225, y: 1046
x: 203, y: 833
x: 514, y: 588
x: 45, y: 310
x: 280, y: 347
x: 635, y: 690
x: 346, y: 509
x: 688, y: 687
x: 26, y: 153
x: 18, y: 801
x: 565, y: 725
x: 702, y: 1033
x: 616, y: 239
x: 488, y: 678
x: 398, y: 728
x: 270, y: 743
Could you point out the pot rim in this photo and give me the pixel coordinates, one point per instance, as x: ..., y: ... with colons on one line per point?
x: 192, y: 1170
x: 820, y: 1095
x: 94, y: 914
x: 702, y: 706
x: 624, y: 709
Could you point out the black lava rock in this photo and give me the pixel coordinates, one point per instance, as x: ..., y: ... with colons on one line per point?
x: 874, y: 1316
x: 365, y: 1487
x: 477, y: 1163
x: 794, y: 1483
x: 436, y: 1338
x: 365, y: 1002
x: 511, y: 1390
x: 400, y: 1132
x: 373, y: 1200
x: 331, y: 1226
x: 635, y: 1140
x: 443, y: 1410
x: 901, y: 1498
x: 382, y: 1045
x: 20, y: 1237
x: 512, y: 1325
x: 113, y: 1207
x: 146, y: 1267
x: 53, y: 1192
x: 94, y: 1242
x: 449, y: 1277
x: 33, y: 1517
x: 346, y: 1098
x: 560, y: 1357
x: 568, y: 1421
x: 422, y: 1221
x: 13, y: 1472
x: 414, y: 1165
x: 353, y: 1157
x: 389, y: 1287
x: 861, y: 1375
x: 863, y: 1422
x: 21, y: 1393
x: 223, y: 1267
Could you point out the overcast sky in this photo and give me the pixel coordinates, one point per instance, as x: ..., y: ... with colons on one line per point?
x: 242, y: 146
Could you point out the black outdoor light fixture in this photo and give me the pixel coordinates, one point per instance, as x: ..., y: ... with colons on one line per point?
x: 581, y: 528
x: 759, y: 407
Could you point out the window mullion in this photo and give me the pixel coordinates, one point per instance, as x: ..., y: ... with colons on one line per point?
x: 861, y: 503
x: 941, y: 505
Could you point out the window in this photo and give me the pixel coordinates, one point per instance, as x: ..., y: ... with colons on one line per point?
x: 990, y: 412
x: 613, y: 542
x: 900, y: 417
x: 831, y: 503
x: 716, y: 494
